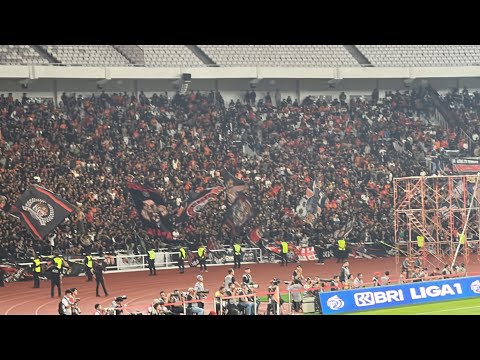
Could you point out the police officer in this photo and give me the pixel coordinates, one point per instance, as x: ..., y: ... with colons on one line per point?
x: 55, y: 277
x: 88, y: 262
x: 237, y: 255
x: 202, y: 258
x: 342, y: 250
x: 284, y: 252
x: 151, y: 262
x: 37, y: 269
x: 182, y: 255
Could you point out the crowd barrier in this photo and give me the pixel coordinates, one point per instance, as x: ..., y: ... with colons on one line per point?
x: 169, y: 260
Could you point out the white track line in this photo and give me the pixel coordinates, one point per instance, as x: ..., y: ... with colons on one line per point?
x: 446, y: 310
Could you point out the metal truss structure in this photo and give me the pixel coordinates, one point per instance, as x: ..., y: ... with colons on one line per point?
x: 439, y: 208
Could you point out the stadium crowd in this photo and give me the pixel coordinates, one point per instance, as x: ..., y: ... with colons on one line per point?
x: 466, y: 106
x: 87, y: 148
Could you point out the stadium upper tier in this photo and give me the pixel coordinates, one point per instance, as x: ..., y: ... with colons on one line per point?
x: 280, y: 55
x: 242, y: 55
x: 421, y: 55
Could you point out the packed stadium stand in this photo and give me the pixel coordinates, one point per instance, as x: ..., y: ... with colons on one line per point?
x: 20, y: 55
x: 87, y: 55
x: 279, y: 55
x: 421, y: 55
x: 169, y: 55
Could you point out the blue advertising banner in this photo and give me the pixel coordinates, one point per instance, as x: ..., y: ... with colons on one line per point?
x: 336, y: 302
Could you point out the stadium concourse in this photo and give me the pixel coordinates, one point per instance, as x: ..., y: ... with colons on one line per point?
x: 21, y: 299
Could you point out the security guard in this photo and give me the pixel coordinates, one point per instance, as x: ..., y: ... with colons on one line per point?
x: 37, y: 269
x: 182, y: 255
x: 342, y: 250
x: 55, y: 276
x: 202, y: 258
x: 237, y: 255
x: 284, y: 252
x: 151, y: 262
x: 57, y: 260
x: 88, y: 262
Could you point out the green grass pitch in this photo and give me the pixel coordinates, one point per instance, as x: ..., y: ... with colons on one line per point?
x: 456, y: 307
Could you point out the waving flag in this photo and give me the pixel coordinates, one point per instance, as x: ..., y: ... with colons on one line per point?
x: 41, y: 211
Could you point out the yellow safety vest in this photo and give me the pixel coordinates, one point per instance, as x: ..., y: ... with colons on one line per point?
x: 237, y: 248
x: 462, y: 238
x: 183, y: 253
x: 342, y: 245
x: 89, y: 262
x: 58, y: 262
x: 284, y: 247
x: 420, y: 241
x: 37, y: 268
x: 201, y: 252
x: 151, y: 255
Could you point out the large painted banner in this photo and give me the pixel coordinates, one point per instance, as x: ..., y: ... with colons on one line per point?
x: 336, y: 302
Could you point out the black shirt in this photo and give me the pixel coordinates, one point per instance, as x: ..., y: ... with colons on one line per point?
x: 55, y: 273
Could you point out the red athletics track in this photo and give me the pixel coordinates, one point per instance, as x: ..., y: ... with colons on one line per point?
x: 21, y: 299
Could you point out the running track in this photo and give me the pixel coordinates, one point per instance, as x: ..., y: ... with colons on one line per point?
x: 22, y: 299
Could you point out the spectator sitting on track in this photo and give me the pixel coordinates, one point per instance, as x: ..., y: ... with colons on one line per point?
x: 244, y: 303
x: 358, y: 281
x: 417, y: 275
x: 175, y: 298
x: 232, y: 304
x: 193, y: 307
x: 218, y: 298
x: 376, y: 279
x: 385, y: 279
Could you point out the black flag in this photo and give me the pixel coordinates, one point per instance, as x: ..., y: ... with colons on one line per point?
x: 152, y: 208
x: 239, y: 213
x: 41, y: 210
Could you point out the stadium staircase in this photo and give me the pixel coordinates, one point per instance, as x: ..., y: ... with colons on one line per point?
x: 201, y: 55
x: 132, y: 53
x: 353, y: 50
x: 43, y: 53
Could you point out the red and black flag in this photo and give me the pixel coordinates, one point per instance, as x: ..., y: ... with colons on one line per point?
x: 152, y: 208
x: 41, y: 210
x: 196, y: 201
x: 233, y: 186
x: 239, y: 213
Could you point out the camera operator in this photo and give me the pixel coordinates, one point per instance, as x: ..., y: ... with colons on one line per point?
x: 193, y: 307
x: 272, y: 303
x: 232, y: 304
x: 247, y: 277
x: 334, y: 283
x: 245, y: 304
x: 117, y: 305
x: 175, y: 298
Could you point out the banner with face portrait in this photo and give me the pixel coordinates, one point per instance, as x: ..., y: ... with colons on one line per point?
x: 152, y: 209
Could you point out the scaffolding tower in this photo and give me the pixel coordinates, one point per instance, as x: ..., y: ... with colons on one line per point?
x: 442, y: 212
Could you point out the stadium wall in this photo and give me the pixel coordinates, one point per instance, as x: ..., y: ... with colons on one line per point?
x: 52, y: 81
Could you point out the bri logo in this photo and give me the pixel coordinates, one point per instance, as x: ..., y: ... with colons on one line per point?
x: 335, y: 303
x: 475, y: 286
x: 378, y: 297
